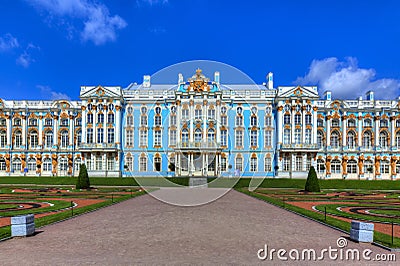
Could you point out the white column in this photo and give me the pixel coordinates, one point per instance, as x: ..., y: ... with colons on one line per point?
x: 376, y: 125
x: 84, y: 124
x: 359, y: 131
x: 9, y: 130
x: 24, y: 140
x: 392, y: 132
x: 293, y: 127
x: 71, y: 130
x: 303, y: 127
x: 280, y: 125
x: 55, y: 131
x: 218, y: 119
x: 328, y: 132
x: 118, y: 127
x: 344, y: 132
x: 40, y: 132
x: 314, y: 127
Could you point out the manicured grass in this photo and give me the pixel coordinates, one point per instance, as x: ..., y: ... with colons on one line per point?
x: 8, y: 206
x: 386, y: 212
x: 58, y: 204
x: 241, y: 183
x: 378, y: 236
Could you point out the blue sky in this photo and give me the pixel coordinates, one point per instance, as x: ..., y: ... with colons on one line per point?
x: 49, y: 48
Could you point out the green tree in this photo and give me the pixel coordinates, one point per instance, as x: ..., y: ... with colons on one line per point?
x: 83, y: 181
x: 312, y: 183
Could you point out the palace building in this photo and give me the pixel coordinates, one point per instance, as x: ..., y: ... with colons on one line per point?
x: 200, y: 127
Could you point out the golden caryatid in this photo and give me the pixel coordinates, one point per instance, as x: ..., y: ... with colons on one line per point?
x: 198, y: 82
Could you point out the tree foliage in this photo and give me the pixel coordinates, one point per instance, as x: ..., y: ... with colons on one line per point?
x: 312, y: 183
x: 83, y: 181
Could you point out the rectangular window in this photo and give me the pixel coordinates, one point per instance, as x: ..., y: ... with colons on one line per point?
x: 89, y: 135
x: 224, y: 138
x: 268, y: 121
x: 157, y: 138
x: 267, y: 165
x: 173, y: 120
x: 100, y: 135
x: 143, y: 164
x: 110, y: 163
x: 308, y: 163
x: 299, y: 163
x: 286, y: 164
x: 157, y: 120
x: 267, y: 138
x: 143, y: 120
x: 129, y: 138
x: 143, y: 138
x: 253, y: 164
x: 239, y: 121
x: 223, y: 164
x: 172, y: 137
x: 308, y: 119
x: 110, y: 135
x: 238, y: 138
x: 185, y: 114
x: 3, y: 139
x: 2, y: 165
x: 253, y: 138
x: 384, y: 167
x: 239, y: 164
x: 129, y: 120
x: 99, y: 163
x: 224, y: 120
x: 211, y: 114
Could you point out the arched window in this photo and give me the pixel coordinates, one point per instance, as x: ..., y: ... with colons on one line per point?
x: 320, y: 166
x: 47, y: 166
x: 16, y: 165
x: 185, y: 137
x: 384, y: 167
x: 64, y: 139
x: 157, y: 163
x: 352, y: 167
x: 239, y: 163
x: 17, y: 139
x: 267, y: 164
x: 383, y: 139
x: 77, y: 164
x: 128, y: 163
x: 63, y: 164
x: 31, y: 164
x: 368, y: 167
x: 367, y: 139
x: 335, y: 166
x: 48, y: 139
x: 198, y: 137
x: 351, y: 139
x: 253, y: 163
x: 335, y: 140
x: 33, y: 139
x: 3, y: 138
x: 143, y: 163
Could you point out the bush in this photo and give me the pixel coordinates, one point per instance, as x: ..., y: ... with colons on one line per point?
x: 312, y: 183
x: 83, y: 181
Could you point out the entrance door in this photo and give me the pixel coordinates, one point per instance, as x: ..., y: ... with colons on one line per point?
x: 197, y: 161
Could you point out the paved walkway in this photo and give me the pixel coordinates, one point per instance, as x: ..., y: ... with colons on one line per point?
x: 144, y: 230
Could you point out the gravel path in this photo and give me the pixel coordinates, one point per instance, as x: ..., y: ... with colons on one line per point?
x: 144, y: 230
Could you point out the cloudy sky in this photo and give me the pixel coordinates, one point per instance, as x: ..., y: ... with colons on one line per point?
x: 49, y: 48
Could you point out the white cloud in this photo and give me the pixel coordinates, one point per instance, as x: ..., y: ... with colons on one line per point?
x: 348, y: 81
x: 26, y: 58
x: 48, y: 93
x: 98, y: 25
x: 8, y: 42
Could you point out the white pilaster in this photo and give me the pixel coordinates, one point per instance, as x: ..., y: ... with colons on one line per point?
x: 280, y: 126
x: 40, y: 142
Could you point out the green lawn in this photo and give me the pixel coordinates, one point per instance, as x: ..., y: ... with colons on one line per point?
x: 243, y: 182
